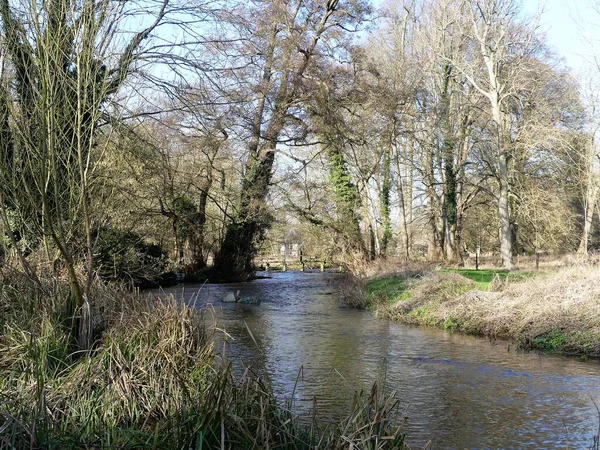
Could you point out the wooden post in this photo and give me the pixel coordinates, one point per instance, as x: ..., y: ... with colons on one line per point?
x: 537, y: 260
x: 284, y: 266
x: 322, y: 266
x: 477, y: 260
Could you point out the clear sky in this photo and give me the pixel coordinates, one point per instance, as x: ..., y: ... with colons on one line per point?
x: 572, y: 28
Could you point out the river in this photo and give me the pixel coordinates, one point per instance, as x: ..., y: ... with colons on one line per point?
x: 461, y: 391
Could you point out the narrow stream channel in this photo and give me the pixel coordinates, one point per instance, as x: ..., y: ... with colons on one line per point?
x: 462, y: 392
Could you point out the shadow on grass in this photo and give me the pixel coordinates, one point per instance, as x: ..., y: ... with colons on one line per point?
x: 483, y: 277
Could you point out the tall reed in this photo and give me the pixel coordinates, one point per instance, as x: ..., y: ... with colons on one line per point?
x: 150, y: 381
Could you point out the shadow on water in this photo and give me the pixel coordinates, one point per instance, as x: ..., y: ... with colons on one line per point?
x: 465, y: 392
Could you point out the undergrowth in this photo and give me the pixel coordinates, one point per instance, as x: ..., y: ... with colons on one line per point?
x: 151, y: 381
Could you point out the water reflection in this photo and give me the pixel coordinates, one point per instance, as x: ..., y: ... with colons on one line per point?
x: 463, y: 392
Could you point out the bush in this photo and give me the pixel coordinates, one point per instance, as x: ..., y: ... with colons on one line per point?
x: 123, y: 255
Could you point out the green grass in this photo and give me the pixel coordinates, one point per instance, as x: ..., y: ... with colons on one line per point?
x: 484, y: 277
x: 423, y: 315
x: 548, y: 342
x: 388, y: 289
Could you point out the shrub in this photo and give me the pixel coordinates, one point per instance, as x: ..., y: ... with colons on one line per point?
x: 123, y: 255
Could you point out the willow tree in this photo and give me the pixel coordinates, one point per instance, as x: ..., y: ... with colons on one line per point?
x: 273, y: 47
x: 64, y: 61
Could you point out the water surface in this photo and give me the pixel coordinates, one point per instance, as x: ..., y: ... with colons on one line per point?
x: 461, y: 391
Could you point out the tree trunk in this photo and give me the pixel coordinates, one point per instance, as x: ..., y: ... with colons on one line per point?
x: 384, y: 199
x: 504, y: 213
x: 435, y: 248
x: 372, y: 244
x: 198, y: 253
x: 244, y: 235
x: 347, y: 199
x: 402, y: 204
x: 448, y: 147
x: 503, y: 174
x: 588, y: 213
x: 435, y: 239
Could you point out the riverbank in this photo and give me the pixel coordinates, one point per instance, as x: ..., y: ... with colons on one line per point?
x: 555, y: 311
x: 151, y: 380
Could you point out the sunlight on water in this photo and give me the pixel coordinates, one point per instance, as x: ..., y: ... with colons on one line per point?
x: 460, y: 391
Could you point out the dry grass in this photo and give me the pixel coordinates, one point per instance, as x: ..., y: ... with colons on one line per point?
x: 153, y: 360
x: 565, y: 304
x: 151, y: 381
x: 352, y: 292
x: 556, y: 312
x: 427, y: 296
x: 390, y: 267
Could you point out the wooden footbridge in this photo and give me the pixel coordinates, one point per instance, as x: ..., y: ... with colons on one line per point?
x: 304, y: 264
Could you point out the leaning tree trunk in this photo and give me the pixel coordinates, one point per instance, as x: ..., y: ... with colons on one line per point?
x: 246, y: 232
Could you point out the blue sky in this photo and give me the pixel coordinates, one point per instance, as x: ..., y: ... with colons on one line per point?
x: 572, y: 28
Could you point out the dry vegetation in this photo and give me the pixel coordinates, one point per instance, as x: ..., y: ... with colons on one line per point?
x: 558, y: 311
x: 151, y: 380
x: 357, y: 295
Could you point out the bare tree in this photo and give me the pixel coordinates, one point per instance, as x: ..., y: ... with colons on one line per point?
x: 585, y: 157
x: 504, y: 43
x: 275, y: 45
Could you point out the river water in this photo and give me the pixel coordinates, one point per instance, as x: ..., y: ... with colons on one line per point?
x: 460, y: 391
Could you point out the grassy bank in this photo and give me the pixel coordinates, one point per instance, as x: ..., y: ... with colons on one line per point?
x: 152, y: 380
x: 551, y: 311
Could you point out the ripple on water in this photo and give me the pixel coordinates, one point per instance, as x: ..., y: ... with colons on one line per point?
x: 462, y: 391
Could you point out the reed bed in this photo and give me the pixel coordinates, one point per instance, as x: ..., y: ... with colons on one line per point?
x: 151, y: 381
